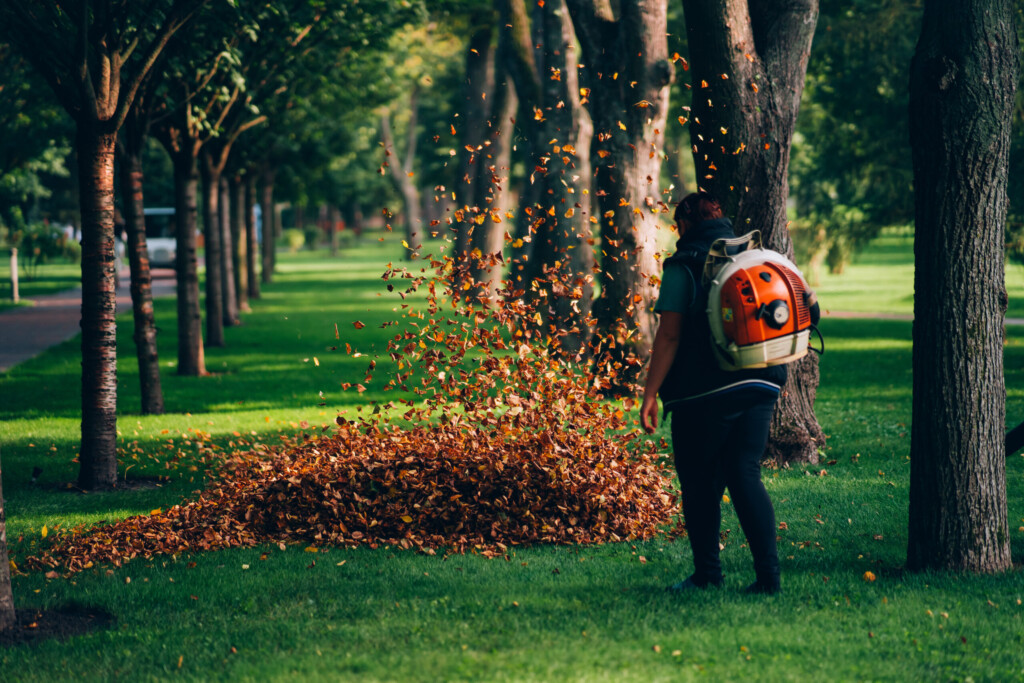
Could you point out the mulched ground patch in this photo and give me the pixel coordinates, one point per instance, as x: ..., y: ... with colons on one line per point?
x: 34, y: 625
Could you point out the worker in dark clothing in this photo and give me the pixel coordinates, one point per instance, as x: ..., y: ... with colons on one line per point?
x: 720, y: 418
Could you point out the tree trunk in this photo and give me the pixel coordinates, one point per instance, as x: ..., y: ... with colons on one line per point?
x: 269, y: 229
x: 7, y: 615
x: 212, y: 249
x: 239, y: 238
x: 141, y: 281
x: 98, y: 455
x: 493, y: 173
x: 562, y: 259
x: 401, y: 175
x: 251, y: 238
x: 191, y: 354
x: 963, y: 79
x: 627, y: 76
x: 333, y: 218
x: 228, y: 255
x: 472, y: 133
x: 748, y: 70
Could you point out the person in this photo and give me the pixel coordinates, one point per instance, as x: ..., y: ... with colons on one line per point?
x: 720, y: 418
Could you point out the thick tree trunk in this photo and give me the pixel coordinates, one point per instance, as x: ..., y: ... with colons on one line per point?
x: 7, y: 615
x: 191, y: 355
x: 269, y: 229
x: 239, y: 238
x: 141, y: 281
x: 963, y: 79
x: 492, y: 190
x: 748, y: 69
x: 98, y: 455
x: 212, y: 249
x: 251, y: 238
x: 472, y: 133
x: 627, y: 73
x: 227, y: 279
x: 562, y: 259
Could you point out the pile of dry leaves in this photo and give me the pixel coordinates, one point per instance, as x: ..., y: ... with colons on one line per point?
x: 427, y: 488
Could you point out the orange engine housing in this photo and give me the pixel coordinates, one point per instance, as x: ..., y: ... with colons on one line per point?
x: 753, y: 300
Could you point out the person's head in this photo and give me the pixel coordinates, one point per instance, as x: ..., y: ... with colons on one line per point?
x: 696, y: 208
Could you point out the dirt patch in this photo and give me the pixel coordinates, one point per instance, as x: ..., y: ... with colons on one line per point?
x: 34, y: 625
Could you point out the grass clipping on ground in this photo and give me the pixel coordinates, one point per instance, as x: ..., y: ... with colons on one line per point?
x: 505, y: 446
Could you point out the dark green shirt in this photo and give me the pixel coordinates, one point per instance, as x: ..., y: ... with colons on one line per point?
x: 677, y: 289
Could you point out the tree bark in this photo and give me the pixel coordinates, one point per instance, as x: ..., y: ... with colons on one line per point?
x: 191, y: 354
x: 227, y: 279
x: 963, y: 80
x: 749, y: 61
x: 472, y: 133
x: 627, y: 76
x: 562, y: 259
x: 7, y: 614
x: 251, y: 238
x: 239, y: 238
x: 492, y: 189
x: 141, y: 280
x: 212, y: 247
x: 269, y: 229
x: 98, y: 455
x: 333, y: 218
x: 401, y: 175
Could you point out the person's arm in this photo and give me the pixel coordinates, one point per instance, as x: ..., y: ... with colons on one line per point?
x: 663, y: 353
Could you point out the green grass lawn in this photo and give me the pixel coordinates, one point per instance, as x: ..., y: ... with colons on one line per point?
x: 881, y: 280
x: 548, y: 613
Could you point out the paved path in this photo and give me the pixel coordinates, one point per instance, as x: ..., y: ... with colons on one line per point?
x: 27, y: 331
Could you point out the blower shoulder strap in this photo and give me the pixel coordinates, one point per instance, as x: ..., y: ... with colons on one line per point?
x: 724, y: 250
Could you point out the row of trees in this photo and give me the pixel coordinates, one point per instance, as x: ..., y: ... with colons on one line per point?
x: 125, y: 71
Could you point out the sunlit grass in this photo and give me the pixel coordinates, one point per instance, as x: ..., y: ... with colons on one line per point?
x: 548, y: 613
x: 881, y: 280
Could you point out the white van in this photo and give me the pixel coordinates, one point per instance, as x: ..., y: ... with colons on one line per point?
x: 161, y: 242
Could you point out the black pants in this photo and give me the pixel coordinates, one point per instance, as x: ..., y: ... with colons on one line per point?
x: 719, y: 443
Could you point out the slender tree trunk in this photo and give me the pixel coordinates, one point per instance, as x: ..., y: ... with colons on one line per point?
x: 251, y: 238
x: 141, y: 281
x: 748, y: 71
x: 963, y: 79
x: 239, y: 238
x: 98, y: 456
x: 227, y: 257
x: 357, y: 220
x: 191, y: 354
x: 629, y: 113
x: 7, y: 614
x: 333, y: 218
x: 402, y: 178
x: 213, y: 252
x: 269, y: 229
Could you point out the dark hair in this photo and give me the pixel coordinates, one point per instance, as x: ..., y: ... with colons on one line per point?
x: 697, y: 207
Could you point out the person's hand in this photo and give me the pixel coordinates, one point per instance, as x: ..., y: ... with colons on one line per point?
x: 649, y: 414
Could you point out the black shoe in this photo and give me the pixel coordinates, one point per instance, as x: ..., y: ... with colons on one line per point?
x: 691, y: 584
x: 759, y: 588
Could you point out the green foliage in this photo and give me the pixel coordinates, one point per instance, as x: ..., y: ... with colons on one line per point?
x: 293, y: 238
x: 851, y: 169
